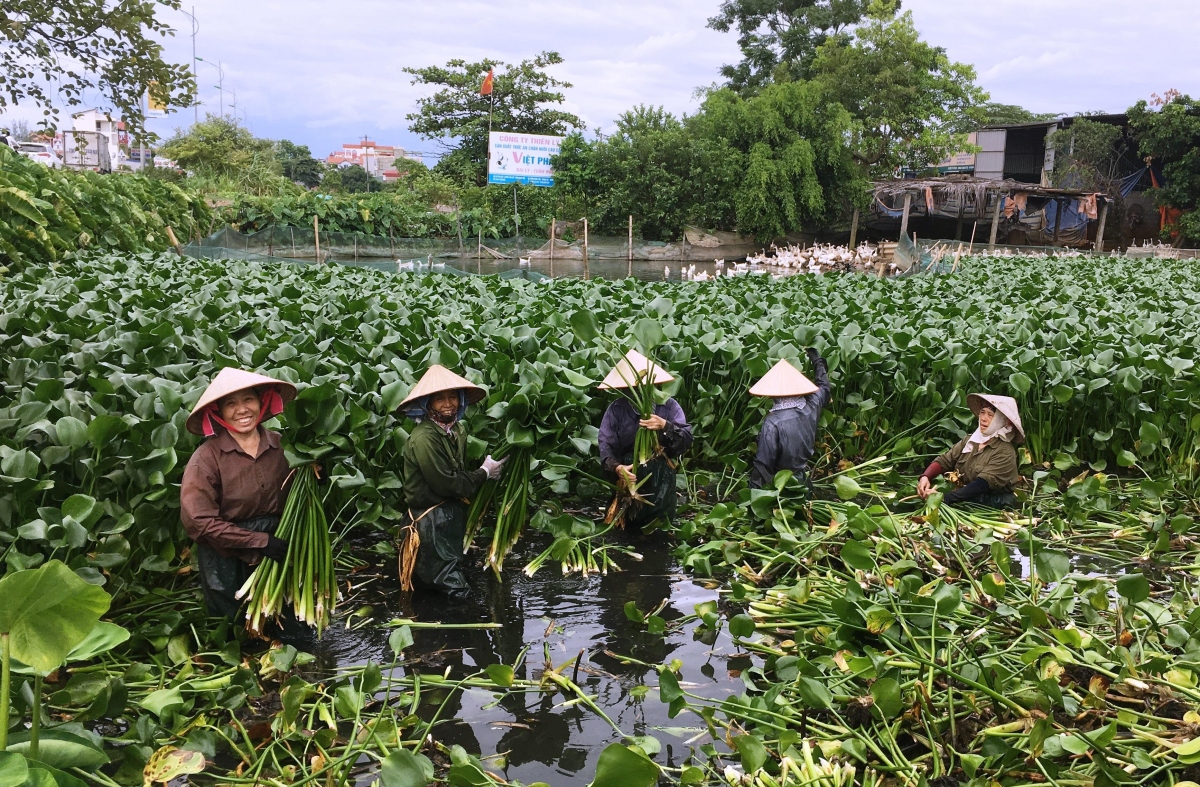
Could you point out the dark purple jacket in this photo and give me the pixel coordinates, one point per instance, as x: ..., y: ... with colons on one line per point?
x: 620, y: 425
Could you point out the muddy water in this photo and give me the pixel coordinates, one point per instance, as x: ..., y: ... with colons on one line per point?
x: 539, y: 739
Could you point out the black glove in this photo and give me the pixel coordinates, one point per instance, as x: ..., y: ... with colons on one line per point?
x: 972, y: 491
x: 813, y: 355
x: 276, y: 549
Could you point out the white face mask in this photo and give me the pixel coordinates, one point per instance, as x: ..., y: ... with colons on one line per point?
x: 1000, y: 427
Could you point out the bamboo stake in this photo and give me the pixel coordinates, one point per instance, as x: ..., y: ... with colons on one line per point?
x: 553, y: 242
x: 174, y: 242
x: 971, y: 248
x: 630, y: 273
x: 317, y: 239
x: 995, y: 222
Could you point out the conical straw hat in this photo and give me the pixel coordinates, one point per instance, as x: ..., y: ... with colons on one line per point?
x: 631, y: 369
x: 784, y: 380
x: 1003, y: 404
x: 230, y: 380
x: 439, y: 379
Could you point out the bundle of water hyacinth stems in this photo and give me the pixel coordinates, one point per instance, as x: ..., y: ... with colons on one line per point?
x: 306, y: 578
x: 512, y: 492
x: 641, y: 394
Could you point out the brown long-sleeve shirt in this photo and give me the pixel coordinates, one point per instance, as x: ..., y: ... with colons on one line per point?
x: 222, y: 484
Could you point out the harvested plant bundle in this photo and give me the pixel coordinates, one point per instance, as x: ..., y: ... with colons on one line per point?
x: 512, y: 489
x: 306, y: 578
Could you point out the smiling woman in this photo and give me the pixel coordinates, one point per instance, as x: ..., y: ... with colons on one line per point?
x: 234, y: 486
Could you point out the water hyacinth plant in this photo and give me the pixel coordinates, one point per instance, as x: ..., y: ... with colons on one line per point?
x: 305, y: 581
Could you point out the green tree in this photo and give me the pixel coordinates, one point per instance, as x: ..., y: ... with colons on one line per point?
x: 995, y: 114
x: 297, y: 163
x: 222, y: 156
x: 779, y: 39
x: 456, y: 115
x: 66, y: 50
x: 1170, y: 135
x: 911, y: 104
x: 356, y: 180
x: 779, y: 158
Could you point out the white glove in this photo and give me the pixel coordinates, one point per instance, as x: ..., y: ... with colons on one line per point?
x: 493, y: 468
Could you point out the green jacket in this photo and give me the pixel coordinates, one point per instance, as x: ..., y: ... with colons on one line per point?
x: 995, y: 463
x: 435, y: 467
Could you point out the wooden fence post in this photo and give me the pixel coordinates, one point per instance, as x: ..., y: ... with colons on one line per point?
x: 317, y: 239
x: 854, y: 230
x: 630, y: 273
x: 904, y: 220
x: 1100, y: 228
x: 995, y: 222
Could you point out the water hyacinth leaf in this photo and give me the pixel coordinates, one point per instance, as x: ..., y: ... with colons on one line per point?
x: 668, y: 687
x: 20, y: 465
x: 104, y: 428
x: 583, y: 324
x: 1020, y: 382
x: 857, y: 555
x: 163, y: 701
x: 886, y: 693
x: 404, y: 768
x: 13, y: 769
x: 813, y: 694
x: 741, y: 626
x: 400, y: 639
x: 500, y: 674
x: 632, y: 613
x: 751, y: 752
x: 620, y: 766
x: 994, y: 585
x: 649, y: 335
x: 879, y: 620
x: 169, y: 763
x: 647, y: 743
x: 847, y: 488
x: 60, y: 749
x: 1052, y: 565
x: 71, y: 432
x: 1134, y: 587
x: 47, y: 612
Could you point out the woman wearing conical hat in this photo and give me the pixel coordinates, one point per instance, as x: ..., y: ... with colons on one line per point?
x: 438, y: 481
x: 618, y: 431
x: 789, y: 432
x: 986, y: 460
x: 234, y: 486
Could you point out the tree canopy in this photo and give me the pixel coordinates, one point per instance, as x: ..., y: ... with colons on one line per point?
x: 779, y: 39
x: 911, y: 104
x: 1170, y: 135
x: 766, y: 165
x: 60, y: 49
x: 222, y: 155
x: 523, y: 100
x: 298, y: 164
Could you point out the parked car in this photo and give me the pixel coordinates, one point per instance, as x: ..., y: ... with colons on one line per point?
x: 41, y: 152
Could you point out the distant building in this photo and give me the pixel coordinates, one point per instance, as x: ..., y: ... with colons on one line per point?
x: 377, y: 160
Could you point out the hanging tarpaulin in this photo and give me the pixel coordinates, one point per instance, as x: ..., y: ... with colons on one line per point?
x: 522, y: 158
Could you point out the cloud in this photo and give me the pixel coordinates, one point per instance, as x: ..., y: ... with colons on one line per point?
x: 323, y: 73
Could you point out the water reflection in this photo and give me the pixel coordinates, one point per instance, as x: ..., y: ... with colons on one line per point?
x: 556, y: 617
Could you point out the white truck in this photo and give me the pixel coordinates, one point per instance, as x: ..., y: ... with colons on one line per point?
x: 85, y: 150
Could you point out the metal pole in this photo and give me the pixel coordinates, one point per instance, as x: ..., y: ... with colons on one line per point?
x: 995, y: 222
x: 195, y: 74
x: 517, y: 219
x: 553, y: 231
x: 1100, y: 229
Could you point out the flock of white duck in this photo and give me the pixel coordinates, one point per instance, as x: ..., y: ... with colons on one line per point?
x: 785, y: 260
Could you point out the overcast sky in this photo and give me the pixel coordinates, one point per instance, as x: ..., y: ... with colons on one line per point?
x: 322, y: 73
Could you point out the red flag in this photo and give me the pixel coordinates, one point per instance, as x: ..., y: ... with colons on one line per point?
x: 486, y: 90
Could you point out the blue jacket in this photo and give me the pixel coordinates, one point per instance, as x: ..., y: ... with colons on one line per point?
x: 788, y: 437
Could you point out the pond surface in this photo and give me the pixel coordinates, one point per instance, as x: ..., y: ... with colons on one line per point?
x: 646, y: 270
x: 541, y: 739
